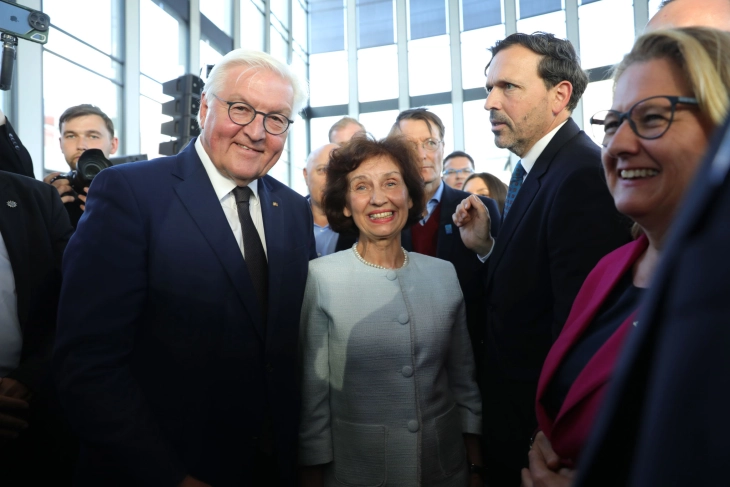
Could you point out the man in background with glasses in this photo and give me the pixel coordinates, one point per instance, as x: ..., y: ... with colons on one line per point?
x: 559, y: 220
x: 436, y: 235
x: 176, y: 353
x: 458, y: 166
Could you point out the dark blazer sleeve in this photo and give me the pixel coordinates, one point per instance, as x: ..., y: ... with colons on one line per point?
x: 96, y: 335
x: 14, y: 156
x: 48, y: 231
x: 494, y: 215
x: 583, y: 226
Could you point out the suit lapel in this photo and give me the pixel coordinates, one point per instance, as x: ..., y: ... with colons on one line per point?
x: 274, y: 228
x: 14, y: 229
x: 197, y: 195
x: 529, y: 190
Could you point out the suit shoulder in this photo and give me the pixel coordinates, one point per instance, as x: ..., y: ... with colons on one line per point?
x: 432, y: 265
x: 27, y: 184
x: 333, y: 262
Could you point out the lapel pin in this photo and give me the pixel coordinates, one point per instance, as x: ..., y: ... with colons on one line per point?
x: 448, y: 229
x: 12, y: 204
x: 275, y: 203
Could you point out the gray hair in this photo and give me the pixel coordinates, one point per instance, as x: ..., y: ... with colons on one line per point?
x: 255, y: 60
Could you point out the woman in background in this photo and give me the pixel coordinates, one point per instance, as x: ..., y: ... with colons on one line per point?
x: 485, y: 184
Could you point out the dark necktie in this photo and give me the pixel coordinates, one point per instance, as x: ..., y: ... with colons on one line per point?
x: 254, y: 254
x: 515, y: 183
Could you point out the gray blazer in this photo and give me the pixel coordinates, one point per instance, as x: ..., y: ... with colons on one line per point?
x: 388, y: 383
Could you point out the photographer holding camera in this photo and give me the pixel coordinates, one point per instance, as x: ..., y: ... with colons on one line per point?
x: 82, y: 127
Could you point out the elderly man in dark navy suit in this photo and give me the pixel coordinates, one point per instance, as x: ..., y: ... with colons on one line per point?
x: 177, y: 333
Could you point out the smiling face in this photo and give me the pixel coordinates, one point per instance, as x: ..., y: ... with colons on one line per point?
x: 521, y: 109
x: 86, y: 132
x: 648, y: 178
x: 245, y: 153
x: 377, y: 199
x: 431, y: 163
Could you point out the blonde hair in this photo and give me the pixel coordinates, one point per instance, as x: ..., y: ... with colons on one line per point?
x: 256, y: 60
x: 701, y: 53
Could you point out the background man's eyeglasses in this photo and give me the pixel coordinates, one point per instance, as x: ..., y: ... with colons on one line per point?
x: 453, y: 172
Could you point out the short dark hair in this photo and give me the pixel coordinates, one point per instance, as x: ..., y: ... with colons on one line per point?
x: 342, y: 123
x: 349, y: 157
x: 559, y: 61
x: 419, y: 114
x: 497, y: 189
x: 458, y: 153
x: 82, y: 111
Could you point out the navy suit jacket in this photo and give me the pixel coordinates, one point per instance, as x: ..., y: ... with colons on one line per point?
x: 163, y: 364
x: 468, y: 267
x: 664, y: 420
x: 561, y: 223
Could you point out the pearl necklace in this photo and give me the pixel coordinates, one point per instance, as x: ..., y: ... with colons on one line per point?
x: 360, y: 258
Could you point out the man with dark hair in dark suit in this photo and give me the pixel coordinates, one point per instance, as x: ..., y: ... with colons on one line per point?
x: 559, y: 220
x: 34, y: 230
x: 435, y: 234
x: 176, y: 353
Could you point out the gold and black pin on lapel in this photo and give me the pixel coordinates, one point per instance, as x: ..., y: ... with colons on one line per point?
x: 275, y: 203
x: 12, y: 204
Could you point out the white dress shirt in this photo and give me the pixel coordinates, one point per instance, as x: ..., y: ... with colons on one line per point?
x: 11, y: 337
x: 223, y: 187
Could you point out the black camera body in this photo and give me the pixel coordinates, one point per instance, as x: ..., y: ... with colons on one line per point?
x: 91, y: 163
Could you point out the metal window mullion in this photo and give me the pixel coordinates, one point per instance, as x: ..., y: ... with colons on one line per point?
x: 131, y: 134
x: 237, y: 23
x: 352, y: 65
x: 194, y: 37
x: 510, y: 17
x: 267, y: 26
x: 457, y: 91
x: 641, y: 16
x: 573, y: 31
x: 27, y: 97
x: 401, y: 15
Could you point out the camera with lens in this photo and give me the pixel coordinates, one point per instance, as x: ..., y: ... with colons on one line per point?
x: 90, y: 163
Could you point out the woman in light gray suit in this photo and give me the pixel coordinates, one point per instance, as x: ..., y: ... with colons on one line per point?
x: 388, y: 389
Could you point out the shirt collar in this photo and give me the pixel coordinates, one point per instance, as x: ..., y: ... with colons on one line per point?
x: 222, y: 185
x: 437, y: 195
x: 529, y: 159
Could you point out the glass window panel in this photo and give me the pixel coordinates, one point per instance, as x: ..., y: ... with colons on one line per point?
x: 532, y: 8
x: 597, y: 97
x: 429, y: 65
x: 475, y: 54
x: 150, y: 119
x: 319, y: 129
x: 479, y: 141
x: 160, y: 29
x: 606, y: 32
x: 378, y: 123
x: 553, y: 23
x: 377, y: 73
x: 327, y: 26
x: 654, y: 7
x: 208, y: 55
x: 586, y: 2
x: 70, y: 48
x: 279, y: 46
x: 280, y: 171
x: 446, y: 114
x: 280, y: 10
x: 427, y: 18
x: 476, y: 14
x: 97, y: 22
x: 252, y: 26
x: 152, y: 89
x: 299, y: 23
x: 374, y: 23
x: 76, y: 86
x: 220, y: 13
x: 328, y: 79
x: 298, y: 144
